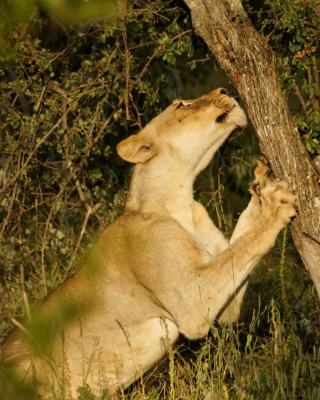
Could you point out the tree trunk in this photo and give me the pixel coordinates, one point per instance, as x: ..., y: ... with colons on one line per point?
x: 249, y: 62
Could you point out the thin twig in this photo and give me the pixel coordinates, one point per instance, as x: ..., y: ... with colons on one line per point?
x: 5, y: 222
x: 139, y: 122
x: 20, y: 327
x: 89, y: 212
x: 25, y: 164
x: 38, y: 105
x: 300, y: 97
x: 310, y: 82
x: 24, y: 294
x: 316, y: 82
x: 128, y: 67
x: 46, y: 230
x: 82, y: 195
x: 111, y: 57
x: 157, y: 51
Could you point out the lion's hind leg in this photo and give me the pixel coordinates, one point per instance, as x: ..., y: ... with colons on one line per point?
x: 123, y: 355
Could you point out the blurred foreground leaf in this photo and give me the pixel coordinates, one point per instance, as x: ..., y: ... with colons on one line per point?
x: 12, y: 387
x: 75, y: 11
x: 17, y: 17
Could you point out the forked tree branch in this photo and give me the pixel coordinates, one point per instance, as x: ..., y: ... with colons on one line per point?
x: 249, y: 62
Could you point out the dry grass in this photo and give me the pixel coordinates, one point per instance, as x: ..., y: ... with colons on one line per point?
x: 272, y: 352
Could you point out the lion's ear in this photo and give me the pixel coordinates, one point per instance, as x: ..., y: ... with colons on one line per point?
x: 136, y: 149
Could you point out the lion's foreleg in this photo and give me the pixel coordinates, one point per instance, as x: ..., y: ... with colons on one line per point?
x: 221, y: 277
x: 246, y: 221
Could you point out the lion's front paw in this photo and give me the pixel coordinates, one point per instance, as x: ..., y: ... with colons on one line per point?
x: 277, y: 202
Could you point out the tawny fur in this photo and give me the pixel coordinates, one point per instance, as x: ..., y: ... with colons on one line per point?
x: 163, y: 268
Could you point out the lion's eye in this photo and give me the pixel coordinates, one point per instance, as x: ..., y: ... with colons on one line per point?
x: 221, y: 117
x: 184, y: 104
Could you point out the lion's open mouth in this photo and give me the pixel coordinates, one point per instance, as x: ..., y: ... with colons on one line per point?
x: 236, y: 132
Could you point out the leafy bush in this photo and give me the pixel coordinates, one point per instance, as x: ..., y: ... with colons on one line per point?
x: 66, y: 101
x: 292, y: 28
x: 68, y: 95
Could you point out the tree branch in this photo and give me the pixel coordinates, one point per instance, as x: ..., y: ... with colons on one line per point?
x: 249, y: 62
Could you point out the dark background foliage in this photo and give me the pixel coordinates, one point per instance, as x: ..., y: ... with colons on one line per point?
x: 70, y: 93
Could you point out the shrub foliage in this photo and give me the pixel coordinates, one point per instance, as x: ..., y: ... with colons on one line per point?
x: 68, y: 95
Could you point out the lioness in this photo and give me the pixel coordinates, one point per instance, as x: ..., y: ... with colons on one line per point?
x: 163, y: 268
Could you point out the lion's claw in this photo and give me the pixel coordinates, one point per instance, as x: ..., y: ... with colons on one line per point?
x: 261, y: 174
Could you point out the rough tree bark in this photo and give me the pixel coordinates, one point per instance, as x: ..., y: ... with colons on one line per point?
x: 249, y: 62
